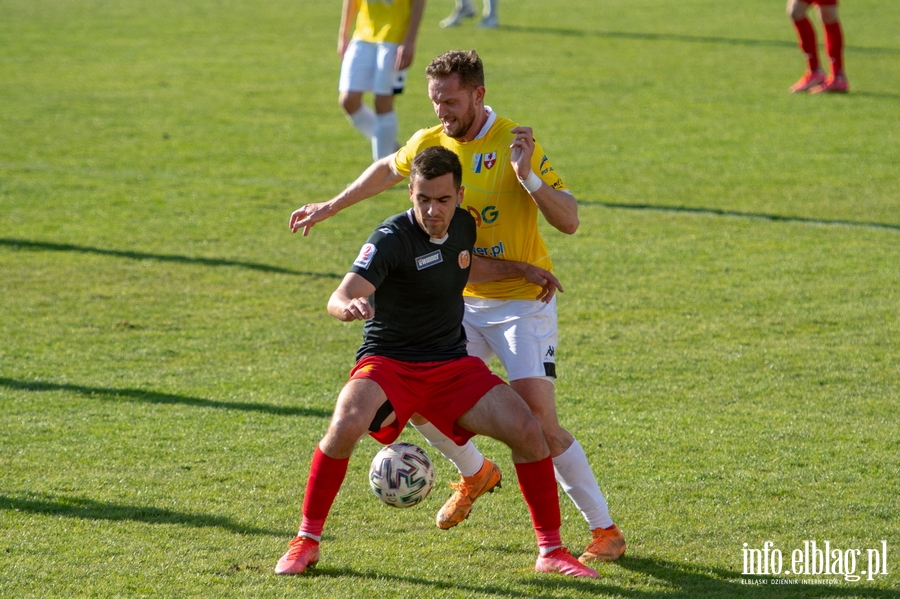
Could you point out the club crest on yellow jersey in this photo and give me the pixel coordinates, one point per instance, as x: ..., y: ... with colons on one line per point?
x: 486, y: 160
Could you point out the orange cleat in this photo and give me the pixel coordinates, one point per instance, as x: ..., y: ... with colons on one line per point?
x: 809, y: 80
x: 465, y: 492
x: 303, y: 554
x: 608, y: 545
x: 835, y: 85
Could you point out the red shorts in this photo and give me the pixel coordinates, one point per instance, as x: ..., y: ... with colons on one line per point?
x: 824, y: 2
x: 441, y: 392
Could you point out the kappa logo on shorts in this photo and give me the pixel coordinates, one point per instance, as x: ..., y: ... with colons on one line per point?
x: 423, y: 262
x: 366, y: 253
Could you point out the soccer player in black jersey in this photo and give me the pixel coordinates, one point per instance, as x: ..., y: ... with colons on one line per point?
x: 407, y: 284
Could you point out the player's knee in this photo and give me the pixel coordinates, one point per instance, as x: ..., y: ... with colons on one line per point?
x: 384, y: 104
x: 350, y: 102
x: 339, y: 442
x: 829, y: 14
x: 343, y: 433
x: 529, y: 440
x: 558, y: 440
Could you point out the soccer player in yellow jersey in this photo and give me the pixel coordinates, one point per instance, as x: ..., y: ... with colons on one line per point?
x: 375, y: 59
x: 509, y: 183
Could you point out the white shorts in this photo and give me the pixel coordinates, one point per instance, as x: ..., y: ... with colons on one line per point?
x: 522, y: 334
x: 369, y: 67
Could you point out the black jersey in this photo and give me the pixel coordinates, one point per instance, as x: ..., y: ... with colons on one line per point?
x: 418, y: 289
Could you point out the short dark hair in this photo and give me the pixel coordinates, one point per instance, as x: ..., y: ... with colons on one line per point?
x: 457, y: 62
x: 434, y: 162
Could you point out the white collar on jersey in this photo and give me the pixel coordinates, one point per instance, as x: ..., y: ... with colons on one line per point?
x: 492, y: 118
x: 412, y: 219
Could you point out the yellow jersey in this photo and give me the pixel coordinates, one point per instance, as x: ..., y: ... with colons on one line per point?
x: 382, y: 21
x: 506, y: 214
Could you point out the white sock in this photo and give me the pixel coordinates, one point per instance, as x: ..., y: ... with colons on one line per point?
x: 576, y: 478
x: 317, y: 538
x: 384, y: 138
x: 490, y: 8
x: 467, y: 459
x: 364, y: 121
x: 546, y: 550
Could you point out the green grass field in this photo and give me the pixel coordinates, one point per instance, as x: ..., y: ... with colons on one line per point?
x: 729, y: 332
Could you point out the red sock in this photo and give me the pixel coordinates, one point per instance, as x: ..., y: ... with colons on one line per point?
x: 834, y: 46
x: 807, y: 37
x: 326, y: 475
x: 538, y: 485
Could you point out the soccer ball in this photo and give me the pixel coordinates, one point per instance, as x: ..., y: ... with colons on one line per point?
x: 401, y: 475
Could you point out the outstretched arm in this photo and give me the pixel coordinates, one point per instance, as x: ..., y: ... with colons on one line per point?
x: 558, y: 207
x: 350, y: 301
x: 375, y: 179
x: 488, y: 269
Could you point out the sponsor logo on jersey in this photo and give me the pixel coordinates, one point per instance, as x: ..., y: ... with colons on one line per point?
x: 494, y: 251
x: 385, y: 230
x: 490, y: 159
x: 423, y: 262
x: 464, y: 259
x: 476, y: 163
x: 487, y: 216
x: 366, y: 253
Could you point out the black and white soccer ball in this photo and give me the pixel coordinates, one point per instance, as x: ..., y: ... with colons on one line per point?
x: 401, y: 475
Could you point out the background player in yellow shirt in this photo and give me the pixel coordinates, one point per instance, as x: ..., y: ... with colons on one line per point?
x: 509, y: 181
x: 375, y: 59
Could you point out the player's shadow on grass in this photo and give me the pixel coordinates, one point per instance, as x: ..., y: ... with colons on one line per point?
x: 684, y: 580
x: 681, y: 580
x: 89, y: 509
x: 734, y: 213
x: 679, y: 37
x: 24, y: 244
x: 886, y: 95
x: 154, y: 397
x: 678, y: 581
x: 554, y: 584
